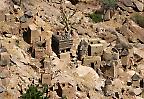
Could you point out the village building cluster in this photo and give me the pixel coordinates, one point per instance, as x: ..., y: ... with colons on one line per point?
x: 110, y: 60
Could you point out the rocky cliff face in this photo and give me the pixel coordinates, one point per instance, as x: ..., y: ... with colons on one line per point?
x: 82, y: 49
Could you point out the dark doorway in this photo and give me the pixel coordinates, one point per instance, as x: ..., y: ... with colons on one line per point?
x: 89, y: 50
x: 92, y: 65
x: 27, y: 36
x: 74, y: 2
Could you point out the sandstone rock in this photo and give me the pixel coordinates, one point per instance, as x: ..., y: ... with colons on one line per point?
x: 135, y: 77
x: 107, y: 36
x: 124, y: 52
x: 123, y: 41
x: 107, y: 54
x: 17, y: 2
x: 19, y: 55
x: 28, y: 13
x: 131, y: 72
x: 8, y: 35
x: 128, y: 34
x: 76, y: 18
x: 124, y: 8
x: 2, y: 89
x: 139, y: 5
x: 138, y: 97
x: 2, y: 76
x: 127, y: 3
x: 137, y: 91
x: 107, y: 15
x: 16, y: 7
x: 23, y: 19
x: 3, y: 50
x: 139, y: 53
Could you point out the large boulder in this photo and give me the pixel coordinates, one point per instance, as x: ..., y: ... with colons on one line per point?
x: 139, y: 5
x: 123, y: 7
x: 127, y: 33
x: 17, y: 2
x: 127, y: 3
x: 138, y: 31
x: 2, y: 89
x: 107, y: 15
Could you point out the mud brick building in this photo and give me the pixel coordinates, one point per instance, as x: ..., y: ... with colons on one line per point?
x: 92, y: 54
x: 38, y: 39
x: 89, y: 52
x: 47, y: 75
x: 61, y: 43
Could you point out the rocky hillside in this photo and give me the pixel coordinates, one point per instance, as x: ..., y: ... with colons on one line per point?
x: 79, y: 49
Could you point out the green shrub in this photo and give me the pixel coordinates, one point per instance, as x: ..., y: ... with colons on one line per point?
x: 64, y: 97
x: 139, y: 19
x: 109, y: 4
x: 96, y: 17
x: 45, y: 88
x: 33, y: 93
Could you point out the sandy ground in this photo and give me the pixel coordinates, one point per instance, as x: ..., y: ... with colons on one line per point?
x: 3, y: 4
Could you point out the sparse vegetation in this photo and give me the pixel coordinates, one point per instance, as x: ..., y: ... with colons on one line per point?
x: 139, y: 19
x: 33, y: 92
x: 109, y: 4
x: 17, y: 43
x: 64, y: 97
x: 96, y: 17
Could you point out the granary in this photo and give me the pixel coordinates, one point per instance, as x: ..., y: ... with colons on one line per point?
x: 109, y: 69
x: 110, y: 60
x: 61, y: 43
x: 135, y: 80
x: 4, y: 57
x: 68, y: 90
x: 46, y: 76
x: 95, y: 47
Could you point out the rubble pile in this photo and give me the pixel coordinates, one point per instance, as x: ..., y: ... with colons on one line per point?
x: 55, y: 42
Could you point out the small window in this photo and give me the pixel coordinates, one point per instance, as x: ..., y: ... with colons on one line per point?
x: 68, y: 49
x: 89, y: 50
x: 42, y: 29
x: 62, y: 51
x: 63, y: 85
x: 58, y: 33
x: 74, y: 2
